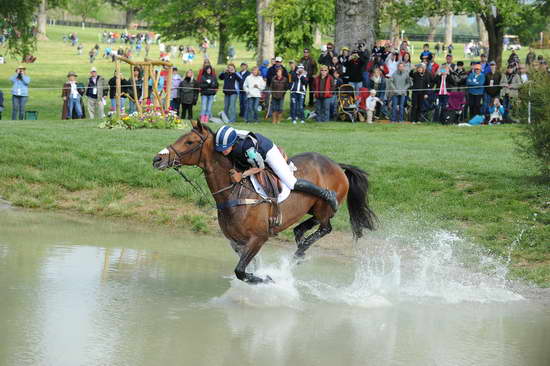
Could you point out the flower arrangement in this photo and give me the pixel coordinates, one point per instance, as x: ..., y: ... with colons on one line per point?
x: 148, y: 119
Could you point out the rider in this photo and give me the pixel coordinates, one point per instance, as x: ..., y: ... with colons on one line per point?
x: 253, y: 150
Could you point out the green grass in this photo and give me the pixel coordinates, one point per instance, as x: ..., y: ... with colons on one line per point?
x: 55, y: 59
x: 470, y: 180
x: 465, y: 179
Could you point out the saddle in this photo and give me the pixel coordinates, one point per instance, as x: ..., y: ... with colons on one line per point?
x: 269, y: 181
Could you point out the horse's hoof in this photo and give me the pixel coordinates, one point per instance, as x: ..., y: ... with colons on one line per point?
x: 253, y: 280
x: 268, y: 279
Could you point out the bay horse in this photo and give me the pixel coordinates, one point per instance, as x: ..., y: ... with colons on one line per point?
x: 247, y: 226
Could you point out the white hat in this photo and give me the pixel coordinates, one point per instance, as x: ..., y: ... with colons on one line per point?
x: 300, y: 66
x: 93, y: 69
x: 278, y: 59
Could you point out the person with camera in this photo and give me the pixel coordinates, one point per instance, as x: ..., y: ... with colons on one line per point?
x: 230, y: 91
x: 20, y: 92
x: 326, y: 56
x: 310, y: 67
x: 298, y: 84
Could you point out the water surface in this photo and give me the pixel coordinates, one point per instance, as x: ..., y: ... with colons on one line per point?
x: 81, y: 291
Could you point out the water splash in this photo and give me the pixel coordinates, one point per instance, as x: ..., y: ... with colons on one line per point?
x: 434, y: 267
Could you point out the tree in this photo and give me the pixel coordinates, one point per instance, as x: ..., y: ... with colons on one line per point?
x: 449, y: 28
x: 533, y: 20
x: 266, y: 31
x: 401, y: 16
x: 130, y: 8
x: 16, y: 18
x: 178, y: 19
x: 42, y: 20
x: 85, y: 9
x: 356, y: 22
x: 433, y: 22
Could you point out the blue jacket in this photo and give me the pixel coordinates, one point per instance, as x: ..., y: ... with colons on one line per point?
x: 485, y: 69
x: 476, y: 82
x: 230, y: 83
x: 20, y: 86
x: 242, y: 76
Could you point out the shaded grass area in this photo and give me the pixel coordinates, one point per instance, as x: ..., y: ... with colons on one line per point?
x: 467, y: 180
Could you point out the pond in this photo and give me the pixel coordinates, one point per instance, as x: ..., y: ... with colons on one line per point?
x: 83, y: 291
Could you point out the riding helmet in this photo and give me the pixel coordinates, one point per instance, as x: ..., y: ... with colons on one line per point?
x: 225, y: 138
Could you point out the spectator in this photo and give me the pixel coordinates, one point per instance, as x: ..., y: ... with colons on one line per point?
x: 448, y: 65
x: 123, y: 92
x: 298, y: 84
x: 391, y: 62
x: 496, y: 112
x: 95, y: 92
x: 174, y: 97
x: 189, y: 94
x: 459, y: 76
x: 242, y: 75
x: 273, y: 70
x: 310, y: 67
x: 511, y: 82
x: 421, y: 82
x: 230, y: 91
x: 20, y: 92
x: 450, y: 49
x: 279, y: 86
x: 326, y: 56
x: 372, y: 101
x: 253, y: 86
x: 208, y: 85
x: 443, y: 81
x: 406, y: 61
x: 263, y: 69
x: 492, y: 86
x: 338, y: 82
x: 530, y: 57
x: 475, y: 83
x: 335, y: 66
x: 399, y: 84
x: 344, y: 55
x: 2, y: 60
x: 437, y: 49
x: 485, y: 67
x: 205, y: 64
x: 79, y: 49
x: 354, y: 71
x: 513, y: 59
x: 377, y: 81
x: 426, y: 52
x: 160, y: 84
x: 522, y: 71
x: 135, y: 97
x: 324, y: 89
x: 430, y: 65
x: 72, y: 98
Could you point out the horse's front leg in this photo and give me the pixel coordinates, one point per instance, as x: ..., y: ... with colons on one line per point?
x: 246, y: 255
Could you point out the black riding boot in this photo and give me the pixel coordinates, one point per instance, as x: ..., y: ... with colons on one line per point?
x: 306, y: 186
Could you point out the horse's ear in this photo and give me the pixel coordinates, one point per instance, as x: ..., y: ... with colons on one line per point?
x: 199, y: 126
x: 193, y: 123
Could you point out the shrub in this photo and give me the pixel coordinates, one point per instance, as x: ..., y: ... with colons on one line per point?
x: 536, y: 135
x: 148, y: 119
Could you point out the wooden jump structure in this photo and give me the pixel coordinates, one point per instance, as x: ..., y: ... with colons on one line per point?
x: 148, y: 74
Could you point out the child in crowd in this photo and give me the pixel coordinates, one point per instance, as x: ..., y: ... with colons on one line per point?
x: 496, y: 112
x: 371, y: 105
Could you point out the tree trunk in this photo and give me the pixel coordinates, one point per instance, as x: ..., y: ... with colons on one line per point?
x: 42, y: 20
x: 355, y: 22
x: 495, y: 32
x: 266, y: 32
x: 434, y: 22
x: 318, y: 37
x: 449, y: 29
x: 224, y: 44
x: 130, y: 15
x: 482, y: 29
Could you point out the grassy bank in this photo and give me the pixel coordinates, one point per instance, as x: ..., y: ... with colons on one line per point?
x: 465, y: 179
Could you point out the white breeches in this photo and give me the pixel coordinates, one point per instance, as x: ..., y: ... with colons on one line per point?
x: 277, y: 163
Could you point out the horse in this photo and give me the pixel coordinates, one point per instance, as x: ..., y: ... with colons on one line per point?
x: 247, y: 225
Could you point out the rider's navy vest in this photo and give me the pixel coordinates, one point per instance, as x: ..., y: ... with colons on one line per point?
x: 259, y: 141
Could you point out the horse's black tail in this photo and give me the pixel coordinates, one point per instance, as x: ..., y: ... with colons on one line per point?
x: 360, y: 214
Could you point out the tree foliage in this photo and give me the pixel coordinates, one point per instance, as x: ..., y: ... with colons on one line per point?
x: 295, y: 24
x: 533, y: 19
x: 85, y: 9
x: 16, y: 18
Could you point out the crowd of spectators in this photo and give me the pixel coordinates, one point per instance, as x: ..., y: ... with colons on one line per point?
x: 387, y: 84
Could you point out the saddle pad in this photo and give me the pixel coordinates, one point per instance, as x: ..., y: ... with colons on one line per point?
x: 285, y: 191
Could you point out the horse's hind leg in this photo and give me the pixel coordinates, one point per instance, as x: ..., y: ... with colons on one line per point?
x: 246, y: 255
x: 301, y: 229
x: 323, y: 230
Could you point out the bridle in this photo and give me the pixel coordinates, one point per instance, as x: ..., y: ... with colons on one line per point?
x: 180, y: 155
